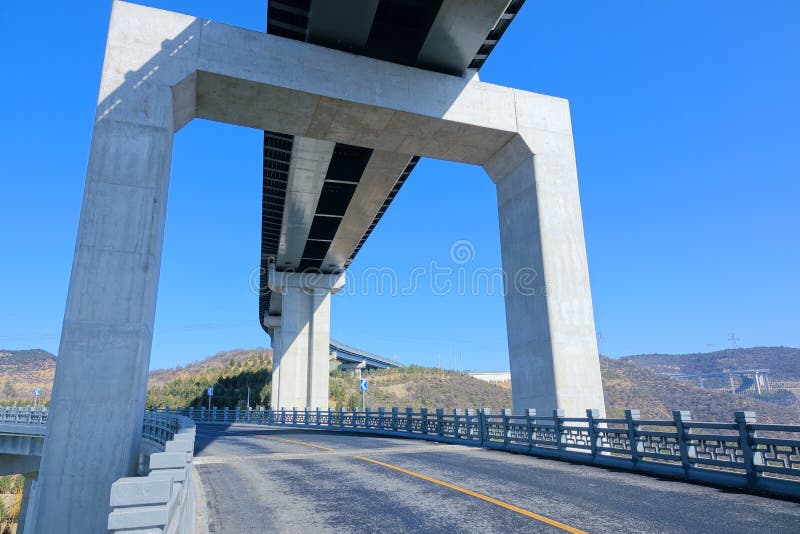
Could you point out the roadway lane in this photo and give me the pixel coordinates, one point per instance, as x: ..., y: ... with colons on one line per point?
x: 293, y: 481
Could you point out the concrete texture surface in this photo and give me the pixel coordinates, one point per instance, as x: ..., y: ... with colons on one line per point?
x: 283, y: 480
x: 552, y: 345
x: 310, y: 160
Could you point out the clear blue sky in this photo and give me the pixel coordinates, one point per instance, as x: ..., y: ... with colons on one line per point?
x: 686, y: 122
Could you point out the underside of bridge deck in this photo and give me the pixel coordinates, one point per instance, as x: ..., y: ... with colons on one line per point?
x: 322, y: 200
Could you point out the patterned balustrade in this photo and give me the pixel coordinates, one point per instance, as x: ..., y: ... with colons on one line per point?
x: 658, y: 440
x: 160, y: 427
x: 776, y: 450
x: 26, y: 415
x: 614, y: 437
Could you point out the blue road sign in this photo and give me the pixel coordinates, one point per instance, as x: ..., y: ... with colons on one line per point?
x: 362, y: 384
x: 210, y: 392
x: 37, y: 392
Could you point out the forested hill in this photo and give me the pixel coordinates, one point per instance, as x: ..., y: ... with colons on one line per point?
x: 21, y: 371
x: 230, y: 373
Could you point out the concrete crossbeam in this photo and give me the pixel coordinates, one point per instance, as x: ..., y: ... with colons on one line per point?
x: 12, y: 464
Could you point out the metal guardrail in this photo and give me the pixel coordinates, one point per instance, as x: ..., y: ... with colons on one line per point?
x: 160, y: 427
x: 25, y: 415
x: 741, y: 454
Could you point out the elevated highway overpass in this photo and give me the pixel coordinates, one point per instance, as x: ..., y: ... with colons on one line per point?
x: 349, y: 98
x: 353, y: 357
x: 323, y: 198
x: 21, y: 447
x: 22, y: 435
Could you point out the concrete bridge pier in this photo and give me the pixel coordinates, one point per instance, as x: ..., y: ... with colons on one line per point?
x: 26, y: 522
x: 301, y: 338
x: 95, y: 424
x: 552, y: 343
x: 100, y: 382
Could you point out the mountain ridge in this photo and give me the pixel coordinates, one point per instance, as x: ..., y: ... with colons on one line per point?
x: 630, y: 382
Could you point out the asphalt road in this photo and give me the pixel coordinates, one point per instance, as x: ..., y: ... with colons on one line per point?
x: 304, y: 481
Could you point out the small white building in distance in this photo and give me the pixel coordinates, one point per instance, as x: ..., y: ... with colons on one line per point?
x: 492, y: 376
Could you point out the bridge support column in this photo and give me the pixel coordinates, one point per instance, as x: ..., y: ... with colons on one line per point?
x: 26, y: 523
x: 100, y: 381
x: 551, y: 335
x: 301, y: 342
x: 95, y: 423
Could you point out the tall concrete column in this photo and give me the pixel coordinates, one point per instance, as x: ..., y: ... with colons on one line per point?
x: 302, y: 342
x: 26, y: 523
x: 95, y: 422
x: 273, y: 324
x: 551, y: 335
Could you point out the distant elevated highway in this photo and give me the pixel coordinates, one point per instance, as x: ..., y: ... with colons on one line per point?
x: 757, y: 379
x: 351, y: 357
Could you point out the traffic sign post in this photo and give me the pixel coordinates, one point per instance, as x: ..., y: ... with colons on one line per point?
x: 210, y: 394
x: 36, y: 393
x: 363, y: 385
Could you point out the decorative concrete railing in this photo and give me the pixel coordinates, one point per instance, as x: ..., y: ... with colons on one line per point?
x: 740, y: 454
x: 24, y: 415
x: 164, y: 500
x: 161, y: 427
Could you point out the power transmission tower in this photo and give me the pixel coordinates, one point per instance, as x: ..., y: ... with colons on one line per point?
x: 734, y: 340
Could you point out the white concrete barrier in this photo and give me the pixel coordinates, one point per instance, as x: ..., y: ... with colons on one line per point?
x: 164, y: 500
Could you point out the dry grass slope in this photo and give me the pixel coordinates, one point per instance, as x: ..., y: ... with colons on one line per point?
x: 627, y: 385
x: 782, y: 362
x: 22, y: 371
x: 418, y: 387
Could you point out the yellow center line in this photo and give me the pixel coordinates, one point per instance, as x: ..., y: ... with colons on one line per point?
x: 298, y: 442
x: 471, y: 493
x: 477, y: 495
